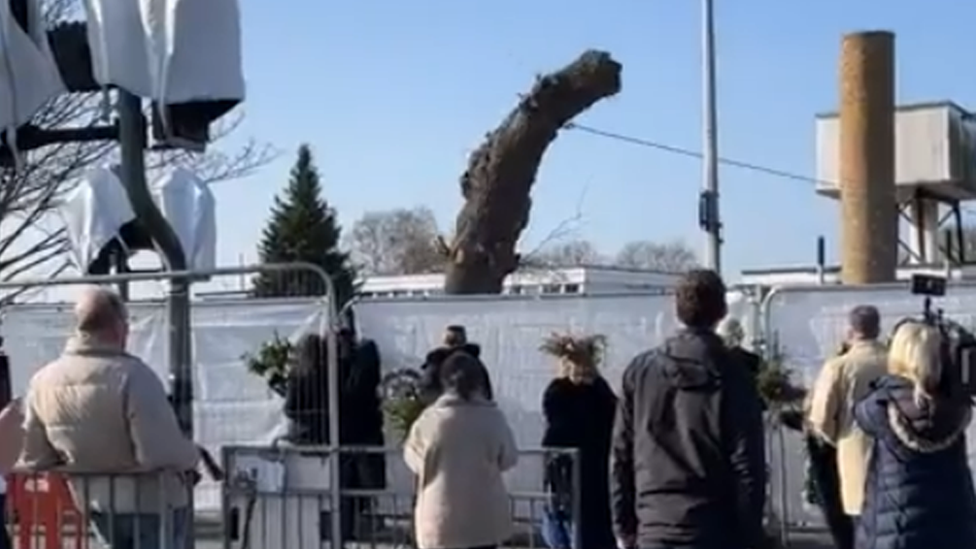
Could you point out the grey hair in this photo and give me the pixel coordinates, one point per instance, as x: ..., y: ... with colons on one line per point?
x: 866, y: 321
x: 99, y: 309
x: 731, y: 331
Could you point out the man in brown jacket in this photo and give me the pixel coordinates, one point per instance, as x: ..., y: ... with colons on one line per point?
x: 98, y: 411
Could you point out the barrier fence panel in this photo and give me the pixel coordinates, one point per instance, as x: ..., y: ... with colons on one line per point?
x: 807, y: 325
x: 278, y: 497
x: 231, y: 405
x: 61, y: 509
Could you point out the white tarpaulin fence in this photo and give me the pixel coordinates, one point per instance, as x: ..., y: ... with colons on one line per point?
x: 510, y: 330
x: 231, y: 405
x: 809, y: 324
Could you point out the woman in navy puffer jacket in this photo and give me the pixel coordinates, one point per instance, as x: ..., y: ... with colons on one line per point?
x: 919, y: 491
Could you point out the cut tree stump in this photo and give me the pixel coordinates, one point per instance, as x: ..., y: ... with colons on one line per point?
x: 500, y: 174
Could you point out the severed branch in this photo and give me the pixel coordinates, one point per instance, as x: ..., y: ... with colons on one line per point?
x: 501, y: 172
x: 565, y: 229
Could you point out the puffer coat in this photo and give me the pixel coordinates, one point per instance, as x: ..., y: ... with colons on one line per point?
x: 919, y: 490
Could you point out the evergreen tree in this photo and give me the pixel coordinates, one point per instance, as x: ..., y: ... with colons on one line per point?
x: 303, y: 228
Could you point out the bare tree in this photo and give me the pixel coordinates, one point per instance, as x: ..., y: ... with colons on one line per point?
x: 401, y: 241
x: 501, y: 172
x: 667, y: 257
x: 29, y: 241
x: 574, y: 253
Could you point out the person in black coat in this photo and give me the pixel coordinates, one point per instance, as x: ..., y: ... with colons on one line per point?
x: 455, y: 339
x: 307, y: 394
x: 360, y: 424
x: 732, y: 333
x: 579, y: 408
x: 688, y: 465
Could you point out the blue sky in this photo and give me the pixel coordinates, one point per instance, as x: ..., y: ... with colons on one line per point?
x: 393, y: 95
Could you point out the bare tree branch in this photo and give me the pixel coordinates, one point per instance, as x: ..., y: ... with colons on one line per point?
x: 573, y: 253
x: 397, y: 241
x: 669, y: 257
x: 566, y: 229
x: 25, y: 293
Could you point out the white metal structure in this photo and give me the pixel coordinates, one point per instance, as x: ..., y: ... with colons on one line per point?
x: 935, y: 170
x: 574, y: 280
x: 831, y: 275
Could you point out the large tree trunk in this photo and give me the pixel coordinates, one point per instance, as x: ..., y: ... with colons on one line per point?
x: 501, y: 171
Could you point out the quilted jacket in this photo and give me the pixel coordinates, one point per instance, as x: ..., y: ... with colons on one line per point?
x: 100, y: 410
x: 919, y: 490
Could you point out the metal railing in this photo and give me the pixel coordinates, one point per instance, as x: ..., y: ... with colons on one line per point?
x: 279, y: 497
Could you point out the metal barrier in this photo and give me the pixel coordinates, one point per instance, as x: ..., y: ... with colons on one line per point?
x: 279, y: 497
x: 54, y: 510
x: 276, y: 280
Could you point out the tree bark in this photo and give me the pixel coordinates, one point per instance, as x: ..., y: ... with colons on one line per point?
x: 502, y: 170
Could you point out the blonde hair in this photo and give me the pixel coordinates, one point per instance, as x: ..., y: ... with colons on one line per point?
x: 579, y: 357
x: 914, y: 354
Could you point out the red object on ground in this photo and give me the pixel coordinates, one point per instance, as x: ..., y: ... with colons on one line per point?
x: 39, y: 506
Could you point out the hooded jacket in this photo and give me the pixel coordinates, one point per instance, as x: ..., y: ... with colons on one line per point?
x: 687, y: 460
x: 919, y: 490
x: 430, y: 383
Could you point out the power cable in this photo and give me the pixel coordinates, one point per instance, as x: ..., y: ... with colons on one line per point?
x: 693, y: 154
x: 697, y: 154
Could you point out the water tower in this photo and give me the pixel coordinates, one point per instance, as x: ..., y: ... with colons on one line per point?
x: 935, y: 171
x: 931, y: 164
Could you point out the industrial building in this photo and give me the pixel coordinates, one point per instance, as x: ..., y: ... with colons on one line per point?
x: 596, y: 279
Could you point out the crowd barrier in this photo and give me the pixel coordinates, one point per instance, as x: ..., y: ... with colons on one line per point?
x: 279, y: 497
x: 58, y: 510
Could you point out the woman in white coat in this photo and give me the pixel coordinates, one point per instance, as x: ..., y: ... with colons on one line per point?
x: 458, y: 448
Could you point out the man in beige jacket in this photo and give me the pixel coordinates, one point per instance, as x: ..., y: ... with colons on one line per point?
x: 97, y: 411
x: 843, y: 381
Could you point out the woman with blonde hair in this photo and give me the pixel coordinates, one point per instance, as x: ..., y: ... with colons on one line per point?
x: 579, y: 409
x: 919, y: 490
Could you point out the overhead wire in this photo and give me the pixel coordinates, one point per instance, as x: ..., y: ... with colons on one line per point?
x: 641, y: 142
x: 650, y: 144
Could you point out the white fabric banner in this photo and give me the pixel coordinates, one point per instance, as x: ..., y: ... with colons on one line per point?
x: 510, y: 330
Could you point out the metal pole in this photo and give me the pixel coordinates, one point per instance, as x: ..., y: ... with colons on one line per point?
x: 713, y: 254
x: 132, y: 142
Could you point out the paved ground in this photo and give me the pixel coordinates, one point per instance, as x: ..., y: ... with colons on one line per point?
x: 209, y: 538
x: 798, y: 541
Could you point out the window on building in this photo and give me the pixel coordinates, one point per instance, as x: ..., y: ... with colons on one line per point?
x: 514, y: 289
x: 571, y: 289
x: 551, y: 289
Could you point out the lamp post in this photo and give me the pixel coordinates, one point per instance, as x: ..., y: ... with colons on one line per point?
x: 709, y: 218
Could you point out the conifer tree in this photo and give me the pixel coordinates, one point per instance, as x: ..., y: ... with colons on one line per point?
x: 303, y: 228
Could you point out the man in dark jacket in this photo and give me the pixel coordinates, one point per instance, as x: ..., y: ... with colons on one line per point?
x: 687, y: 463
x: 455, y: 339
